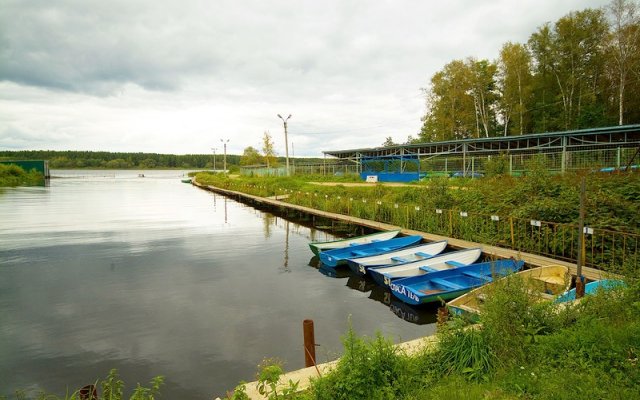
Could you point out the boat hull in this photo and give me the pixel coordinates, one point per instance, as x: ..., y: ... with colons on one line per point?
x: 385, y: 275
x: 318, y: 247
x: 449, y: 284
x: 333, y: 258
x: 359, y: 266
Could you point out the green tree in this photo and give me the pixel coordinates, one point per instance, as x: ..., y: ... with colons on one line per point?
x: 268, y: 150
x: 515, y: 79
x: 482, y: 87
x: 450, y: 108
x: 580, y: 41
x: 544, y: 114
x: 388, y: 142
x: 623, y: 46
x: 460, y: 101
x: 251, y: 156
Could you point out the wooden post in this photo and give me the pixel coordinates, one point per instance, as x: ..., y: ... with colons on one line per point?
x: 88, y: 392
x: 309, y: 343
x: 579, y: 287
x: 513, y: 237
x: 443, y: 315
x: 580, y: 255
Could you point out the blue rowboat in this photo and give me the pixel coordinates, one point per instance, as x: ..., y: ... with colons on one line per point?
x: 415, y: 253
x: 318, y: 247
x: 384, y: 275
x: 333, y: 258
x: 449, y: 284
x: 590, y: 288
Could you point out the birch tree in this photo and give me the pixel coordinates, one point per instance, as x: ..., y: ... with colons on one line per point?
x: 515, y: 86
x: 624, y: 45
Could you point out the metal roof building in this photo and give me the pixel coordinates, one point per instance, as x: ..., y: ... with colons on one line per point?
x: 605, y: 147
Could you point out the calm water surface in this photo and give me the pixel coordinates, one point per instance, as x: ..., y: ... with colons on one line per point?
x: 152, y: 276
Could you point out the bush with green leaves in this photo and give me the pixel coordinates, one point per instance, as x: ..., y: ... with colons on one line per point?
x: 112, y: 388
x: 12, y: 175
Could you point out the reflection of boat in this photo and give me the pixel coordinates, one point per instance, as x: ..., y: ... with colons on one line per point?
x: 334, y: 272
x: 360, y: 283
x: 337, y: 257
x: 419, y: 316
x: 542, y: 284
x: 451, y: 283
x: 381, y: 294
x: 314, y: 262
x: 384, y: 275
x: 402, y: 256
x: 318, y: 247
x: 590, y: 288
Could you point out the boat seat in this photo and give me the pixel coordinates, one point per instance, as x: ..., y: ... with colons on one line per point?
x: 359, y: 253
x: 476, y: 275
x: 455, y: 264
x: 399, y: 259
x: 446, y: 283
x: 385, y: 248
x: 424, y: 255
x: 428, y: 269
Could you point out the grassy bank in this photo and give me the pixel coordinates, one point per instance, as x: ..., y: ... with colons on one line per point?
x: 613, y: 200
x: 13, y: 175
x: 521, y: 350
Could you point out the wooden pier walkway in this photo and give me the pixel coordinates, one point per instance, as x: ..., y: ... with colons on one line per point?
x: 534, y: 260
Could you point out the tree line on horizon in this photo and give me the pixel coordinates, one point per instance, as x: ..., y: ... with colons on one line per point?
x: 111, y: 160
x: 583, y: 71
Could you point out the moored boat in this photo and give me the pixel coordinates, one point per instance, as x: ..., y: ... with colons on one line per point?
x: 335, y: 257
x: 451, y: 283
x: 385, y: 274
x: 590, y: 288
x: 318, y: 247
x: 402, y: 256
x: 542, y: 283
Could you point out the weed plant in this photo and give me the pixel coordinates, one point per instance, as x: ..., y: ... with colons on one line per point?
x: 112, y: 389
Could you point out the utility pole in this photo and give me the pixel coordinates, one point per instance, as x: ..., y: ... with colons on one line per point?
x: 214, y: 158
x: 224, y: 142
x: 286, y: 140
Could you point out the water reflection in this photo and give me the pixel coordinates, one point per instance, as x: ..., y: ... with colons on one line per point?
x: 360, y: 283
x: 314, y: 262
x: 415, y: 315
x: 339, y: 273
x: 381, y: 294
x: 152, y: 276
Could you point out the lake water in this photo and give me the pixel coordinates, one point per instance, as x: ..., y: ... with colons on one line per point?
x: 106, y: 269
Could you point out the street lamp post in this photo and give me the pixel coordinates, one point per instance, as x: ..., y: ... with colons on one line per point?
x: 214, y: 158
x: 286, y: 140
x: 224, y: 142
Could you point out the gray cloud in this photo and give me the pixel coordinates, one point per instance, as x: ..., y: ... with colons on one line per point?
x: 210, y: 69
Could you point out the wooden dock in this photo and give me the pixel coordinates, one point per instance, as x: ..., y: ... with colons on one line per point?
x: 533, y: 260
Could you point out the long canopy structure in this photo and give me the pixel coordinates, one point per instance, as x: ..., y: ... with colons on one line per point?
x: 611, y: 146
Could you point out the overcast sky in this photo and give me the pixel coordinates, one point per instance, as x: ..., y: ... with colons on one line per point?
x: 177, y: 76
